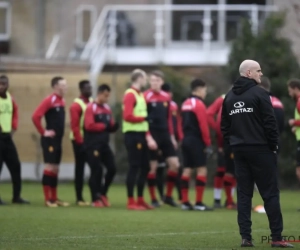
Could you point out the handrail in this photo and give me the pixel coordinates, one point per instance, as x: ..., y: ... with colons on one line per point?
x: 52, y: 47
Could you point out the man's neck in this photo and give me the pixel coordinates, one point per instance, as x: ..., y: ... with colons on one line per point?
x: 156, y: 90
x: 136, y: 86
x: 55, y: 93
x: 194, y: 94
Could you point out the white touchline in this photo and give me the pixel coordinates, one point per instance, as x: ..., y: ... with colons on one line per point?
x: 129, y: 235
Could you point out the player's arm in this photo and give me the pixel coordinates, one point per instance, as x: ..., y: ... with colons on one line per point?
x: 225, y: 124
x: 170, y: 119
x: 89, y: 121
x: 128, y: 104
x: 113, y: 125
x: 212, y: 111
x: 39, y: 113
x: 15, y: 115
x: 269, y: 121
x: 296, y: 123
x: 201, y: 115
x: 75, y: 115
x: 179, y: 127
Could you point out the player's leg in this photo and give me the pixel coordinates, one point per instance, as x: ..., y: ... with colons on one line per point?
x: 151, y: 177
x: 52, y: 153
x: 1, y: 164
x: 134, y: 149
x: 172, y: 160
x: 298, y: 160
x: 218, y: 180
x: 94, y: 161
x: 229, y: 179
x: 178, y: 180
x: 245, y: 180
x: 109, y: 162
x: 160, y: 175
x: 11, y: 158
x: 80, y: 159
x: 187, y: 157
x: 143, y: 172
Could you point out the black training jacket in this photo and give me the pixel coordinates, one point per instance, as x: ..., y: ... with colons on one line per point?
x: 248, y: 116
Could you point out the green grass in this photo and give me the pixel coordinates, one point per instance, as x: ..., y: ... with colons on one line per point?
x: 37, y: 227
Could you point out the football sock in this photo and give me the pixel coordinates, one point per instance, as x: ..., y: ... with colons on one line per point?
x: 218, y: 183
x: 228, y: 182
x: 151, y: 185
x: 48, y: 182
x: 185, y: 188
x: 200, y: 186
x: 160, y: 173
x: 171, y: 180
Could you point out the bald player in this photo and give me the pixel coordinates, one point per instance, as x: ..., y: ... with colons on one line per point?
x: 249, y: 127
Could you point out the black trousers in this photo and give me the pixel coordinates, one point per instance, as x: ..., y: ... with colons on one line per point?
x: 138, y: 158
x: 9, y: 156
x: 98, y: 155
x: 80, y: 159
x: 257, y: 166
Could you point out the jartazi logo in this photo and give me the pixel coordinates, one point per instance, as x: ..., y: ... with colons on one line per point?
x: 240, y: 109
x: 239, y: 105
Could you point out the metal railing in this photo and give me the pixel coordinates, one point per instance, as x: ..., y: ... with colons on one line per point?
x: 101, y: 45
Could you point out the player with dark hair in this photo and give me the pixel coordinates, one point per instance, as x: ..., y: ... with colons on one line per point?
x: 276, y: 103
x: 196, y: 145
x: 98, y: 124
x: 137, y: 140
x: 178, y: 136
x: 161, y: 128
x: 8, y: 152
x: 53, y: 108
x: 294, y: 92
x: 77, y: 111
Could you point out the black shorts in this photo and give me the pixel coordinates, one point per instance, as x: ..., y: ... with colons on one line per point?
x: 229, y: 161
x: 137, y: 149
x: 52, y: 149
x: 298, y: 154
x: 164, y: 144
x: 193, y: 152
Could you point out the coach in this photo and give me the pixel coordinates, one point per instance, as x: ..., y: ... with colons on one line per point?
x: 249, y: 127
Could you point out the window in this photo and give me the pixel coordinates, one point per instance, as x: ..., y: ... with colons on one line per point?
x: 85, y: 19
x: 5, y: 21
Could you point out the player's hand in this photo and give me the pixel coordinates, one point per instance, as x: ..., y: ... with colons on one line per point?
x: 174, y: 142
x: 152, y: 145
x: 209, y: 151
x: 294, y: 129
x: 49, y: 133
x: 291, y: 122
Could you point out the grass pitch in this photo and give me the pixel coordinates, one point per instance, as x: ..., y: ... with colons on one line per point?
x: 36, y: 227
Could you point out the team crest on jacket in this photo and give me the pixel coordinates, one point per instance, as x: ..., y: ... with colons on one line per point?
x: 240, y: 108
x: 96, y: 153
x: 165, y: 104
x: 139, y: 146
